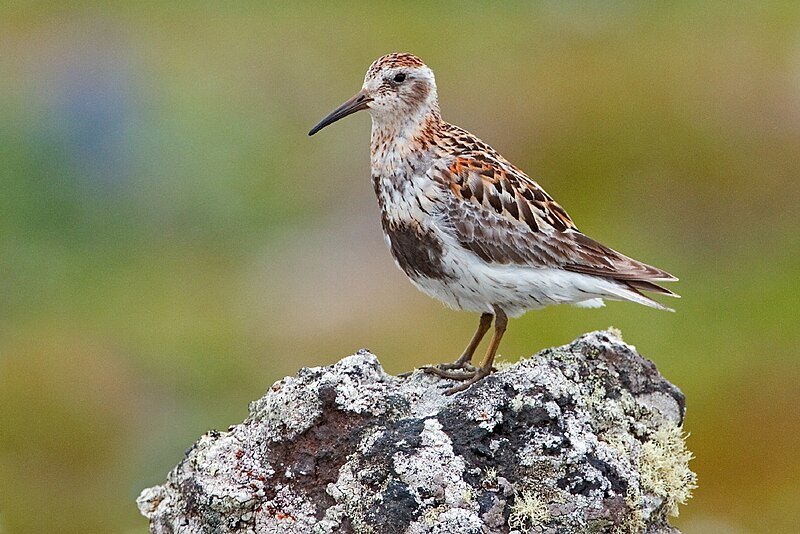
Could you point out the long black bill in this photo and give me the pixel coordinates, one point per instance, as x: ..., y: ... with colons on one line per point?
x: 357, y: 103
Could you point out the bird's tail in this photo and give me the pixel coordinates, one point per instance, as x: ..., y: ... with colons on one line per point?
x: 630, y: 290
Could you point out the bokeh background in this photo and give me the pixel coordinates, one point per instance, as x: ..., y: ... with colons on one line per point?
x: 171, y: 241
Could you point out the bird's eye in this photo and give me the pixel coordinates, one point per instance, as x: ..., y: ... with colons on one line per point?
x: 399, y: 78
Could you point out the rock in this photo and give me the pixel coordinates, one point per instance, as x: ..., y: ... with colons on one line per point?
x: 581, y: 438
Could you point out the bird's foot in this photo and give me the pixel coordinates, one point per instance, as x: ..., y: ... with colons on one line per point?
x: 443, y: 370
x: 458, y: 364
x: 439, y: 370
x: 477, y: 375
x: 465, y: 372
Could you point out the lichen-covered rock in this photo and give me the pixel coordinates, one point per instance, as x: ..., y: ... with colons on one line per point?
x: 581, y: 438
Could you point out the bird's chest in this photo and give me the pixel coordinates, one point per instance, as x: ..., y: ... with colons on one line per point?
x: 402, y: 180
x: 407, y: 198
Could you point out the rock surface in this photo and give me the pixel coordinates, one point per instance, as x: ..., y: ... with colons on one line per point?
x: 581, y: 438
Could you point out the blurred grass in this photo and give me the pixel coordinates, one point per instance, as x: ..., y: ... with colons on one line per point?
x: 171, y: 242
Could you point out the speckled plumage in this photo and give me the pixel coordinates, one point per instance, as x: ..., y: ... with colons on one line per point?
x: 468, y: 227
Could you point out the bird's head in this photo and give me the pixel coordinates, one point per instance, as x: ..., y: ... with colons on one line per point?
x: 398, y: 88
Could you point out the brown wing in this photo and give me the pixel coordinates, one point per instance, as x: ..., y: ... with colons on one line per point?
x: 504, y: 217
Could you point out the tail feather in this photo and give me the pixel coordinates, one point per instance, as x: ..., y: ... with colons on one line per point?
x: 646, y: 285
x: 628, y: 291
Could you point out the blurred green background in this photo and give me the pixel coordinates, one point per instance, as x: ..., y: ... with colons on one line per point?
x: 171, y: 241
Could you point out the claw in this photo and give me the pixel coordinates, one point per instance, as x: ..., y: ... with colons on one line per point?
x: 478, y: 375
x: 438, y: 371
x: 468, y: 376
x: 462, y: 369
x: 466, y: 366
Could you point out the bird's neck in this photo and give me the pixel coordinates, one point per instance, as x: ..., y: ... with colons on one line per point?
x: 401, y: 159
x: 402, y: 146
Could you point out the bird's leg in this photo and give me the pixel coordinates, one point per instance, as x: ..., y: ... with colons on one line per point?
x: 466, y: 357
x: 500, y: 323
x: 463, y: 362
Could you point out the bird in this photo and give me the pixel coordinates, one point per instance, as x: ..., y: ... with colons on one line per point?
x: 471, y: 229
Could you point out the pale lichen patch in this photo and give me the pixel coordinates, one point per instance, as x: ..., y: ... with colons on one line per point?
x: 528, y: 511
x: 664, y: 467
x: 433, y: 472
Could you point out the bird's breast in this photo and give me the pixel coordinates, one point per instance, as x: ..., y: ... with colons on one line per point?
x: 403, y: 184
x: 407, y: 201
x: 419, y: 252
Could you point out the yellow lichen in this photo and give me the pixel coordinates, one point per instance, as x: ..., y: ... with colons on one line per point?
x: 490, y: 478
x: 614, y: 331
x: 633, y: 522
x: 664, y: 467
x: 618, y: 440
x: 528, y: 510
x: 431, y: 515
x: 502, y: 365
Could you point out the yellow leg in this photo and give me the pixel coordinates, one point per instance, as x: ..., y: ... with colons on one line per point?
x: 463, y: 362
x: 500, y: 324
x: 466, y: 356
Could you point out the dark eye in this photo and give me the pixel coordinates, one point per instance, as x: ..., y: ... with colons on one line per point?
x: 399, y: 78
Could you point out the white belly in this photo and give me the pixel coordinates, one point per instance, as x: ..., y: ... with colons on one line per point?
x: 474, y: 285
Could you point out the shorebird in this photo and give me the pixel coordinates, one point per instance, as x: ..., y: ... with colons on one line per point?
x: 469, y: 228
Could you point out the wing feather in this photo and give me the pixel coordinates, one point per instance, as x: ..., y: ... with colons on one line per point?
x: 504, y: 217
